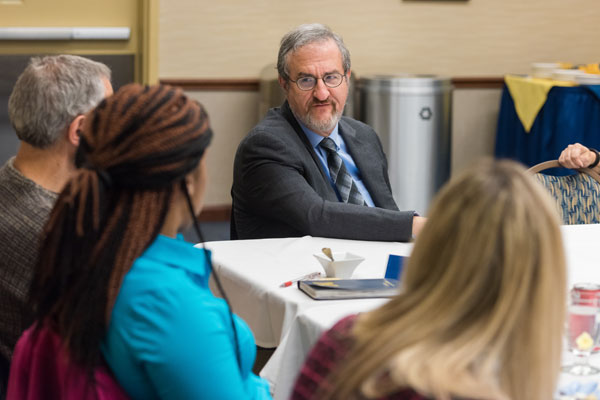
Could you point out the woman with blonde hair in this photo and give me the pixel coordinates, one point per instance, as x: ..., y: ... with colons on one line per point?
x: 482, y: 308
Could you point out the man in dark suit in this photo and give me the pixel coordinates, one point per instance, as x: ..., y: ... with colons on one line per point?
x: 305, y: 169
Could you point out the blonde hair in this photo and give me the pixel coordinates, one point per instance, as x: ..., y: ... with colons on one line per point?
x: 483, y: 301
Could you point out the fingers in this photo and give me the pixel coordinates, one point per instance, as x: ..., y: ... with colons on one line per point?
x: 576, y: 156
x: 418, y: 224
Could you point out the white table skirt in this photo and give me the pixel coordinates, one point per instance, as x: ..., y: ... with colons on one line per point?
x: 307, y: 327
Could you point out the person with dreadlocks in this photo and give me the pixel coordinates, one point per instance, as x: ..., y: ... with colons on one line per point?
x: 115, y: 281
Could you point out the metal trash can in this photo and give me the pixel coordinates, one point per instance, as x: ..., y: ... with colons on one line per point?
x: 272, y: 95
x: 412, y: 115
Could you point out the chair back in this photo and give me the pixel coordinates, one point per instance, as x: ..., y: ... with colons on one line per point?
x: 577, y: 195
x: 41, y: 369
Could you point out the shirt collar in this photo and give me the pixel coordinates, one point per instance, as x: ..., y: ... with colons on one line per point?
x: 176, y: 252
x: 315, y: 138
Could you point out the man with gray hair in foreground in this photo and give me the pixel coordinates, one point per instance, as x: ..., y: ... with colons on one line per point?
x: 46, y: 108
x: 305, y: 169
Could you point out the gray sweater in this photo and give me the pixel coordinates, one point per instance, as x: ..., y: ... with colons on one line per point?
x: 24, y: 209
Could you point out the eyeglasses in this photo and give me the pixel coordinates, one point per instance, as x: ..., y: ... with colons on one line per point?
x: 309, y: 82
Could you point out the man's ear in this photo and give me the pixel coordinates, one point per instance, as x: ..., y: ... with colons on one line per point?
x: 283, y: 83
x: 74, y: 130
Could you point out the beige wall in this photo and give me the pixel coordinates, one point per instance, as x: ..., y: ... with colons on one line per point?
x: 474, y: 117
x: 202, y: 39
x: 232, y: 115
x: 236, y: 38
x: 231, y: 39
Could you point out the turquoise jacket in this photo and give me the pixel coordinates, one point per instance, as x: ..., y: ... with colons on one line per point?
x: 170, y: 338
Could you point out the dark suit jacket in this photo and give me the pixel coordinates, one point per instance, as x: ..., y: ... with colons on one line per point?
x: 281, y: 190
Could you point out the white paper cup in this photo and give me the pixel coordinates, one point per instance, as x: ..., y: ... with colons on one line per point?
x: 344, y: 265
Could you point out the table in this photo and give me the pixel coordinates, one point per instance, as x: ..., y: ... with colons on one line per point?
x: 309, y: 322
x: 569, y: 115
x: 251, y: 272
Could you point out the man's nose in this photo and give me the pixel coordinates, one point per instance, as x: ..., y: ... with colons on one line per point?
x: 320, y: 91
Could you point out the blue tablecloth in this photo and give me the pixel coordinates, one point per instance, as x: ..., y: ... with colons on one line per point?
x: 570, y: 114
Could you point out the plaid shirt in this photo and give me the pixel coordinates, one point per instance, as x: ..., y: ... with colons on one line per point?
x: 24, y: 209
x: 329, y: 353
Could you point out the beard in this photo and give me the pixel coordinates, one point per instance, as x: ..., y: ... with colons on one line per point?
x: 325, y: 125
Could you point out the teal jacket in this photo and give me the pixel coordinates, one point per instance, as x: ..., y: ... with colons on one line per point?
x: 170, y: 338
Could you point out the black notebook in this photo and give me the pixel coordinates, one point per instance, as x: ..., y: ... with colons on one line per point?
x: 331, y: 289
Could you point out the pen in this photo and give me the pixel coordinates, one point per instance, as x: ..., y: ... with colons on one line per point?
x: 312, y: 275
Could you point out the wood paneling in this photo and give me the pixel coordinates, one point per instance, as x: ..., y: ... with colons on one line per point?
x: 214, y: 84
x: 215, y: 213
x: 254, y: 84
x: 478, y: 83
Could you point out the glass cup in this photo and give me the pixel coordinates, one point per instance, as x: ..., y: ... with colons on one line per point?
x: 583, y: 323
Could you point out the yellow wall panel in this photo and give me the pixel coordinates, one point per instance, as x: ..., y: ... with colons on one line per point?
x: 68, y: 12
x: 71, y: 13
x: 141, y: 16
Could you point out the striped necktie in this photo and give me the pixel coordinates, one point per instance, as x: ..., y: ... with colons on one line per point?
x: 343, y: 181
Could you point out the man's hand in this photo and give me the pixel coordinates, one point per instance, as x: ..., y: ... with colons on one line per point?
x: 418, y: 224
x: 576, y: 156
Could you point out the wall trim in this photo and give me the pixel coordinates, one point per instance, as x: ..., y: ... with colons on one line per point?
x: 492, y: 82
x: 234, y: 85
x: 253, y: 85
x: 215, y: 213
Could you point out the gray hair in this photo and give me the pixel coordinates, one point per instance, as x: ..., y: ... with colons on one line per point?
x: 307, y: 34
x: 51, y: 92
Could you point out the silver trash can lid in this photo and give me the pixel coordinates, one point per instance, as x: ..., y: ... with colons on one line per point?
x: 405, y: 82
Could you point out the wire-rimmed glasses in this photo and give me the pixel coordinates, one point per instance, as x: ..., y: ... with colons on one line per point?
x: 308, y: 82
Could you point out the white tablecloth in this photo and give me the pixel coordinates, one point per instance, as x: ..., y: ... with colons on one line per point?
x: 582, y: 248
x: 251, y: 272
x: 582, y: 244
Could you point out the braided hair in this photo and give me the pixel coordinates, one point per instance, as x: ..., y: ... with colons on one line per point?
x: 136, y: 148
